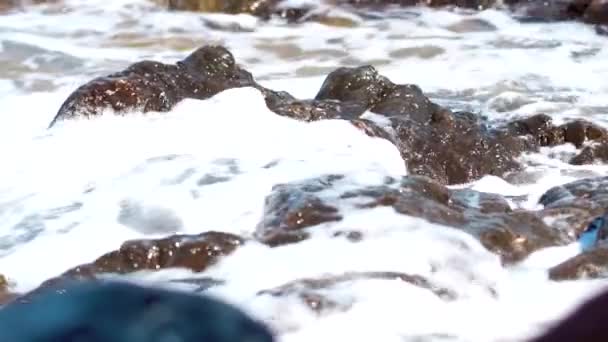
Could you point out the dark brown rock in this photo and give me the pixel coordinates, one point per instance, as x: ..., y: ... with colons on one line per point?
x: 154, y: 86
x: 311, y: 290
x: 589, y: 265
x: 255, y: 7
x: 360, y: 85
x: 292, y: 207
x: 194, y: 252
x: 284, y: 104
x: 540, y: 127
x: 597, y: 12
x: 549, y: 10
x: 591, y: 154
x: 473, y: 4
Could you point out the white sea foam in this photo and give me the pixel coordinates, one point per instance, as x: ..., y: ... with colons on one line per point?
x: 72, y: 193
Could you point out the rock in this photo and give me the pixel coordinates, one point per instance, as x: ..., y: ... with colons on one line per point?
x: 292, y: 207
x: 591, y: 154
x: 361, y: 85
x: 153, y: 86
x: 569, y: 221
x: 550, y: 10
x: 194, y: 252
x: 597, y: 12
x: 588, y: 265
x: 540, y: 127
x: 473, y: 4
x: 312, y: 291
x: 255, y: 7
x: 512, y: 234
x: 284, y: 104
x: 466, y: 199
x: 590, y: 194
x: 122, y: 312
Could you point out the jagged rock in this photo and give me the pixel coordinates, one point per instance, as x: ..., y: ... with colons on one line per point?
x: 154, y: 86
x: 589, y: 265
x: 122, y: 312
x: 292, y: 207
x: 311, y: 290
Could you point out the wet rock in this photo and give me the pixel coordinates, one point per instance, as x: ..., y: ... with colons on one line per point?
x: 153, y: 86
x: 456, y: 148
x: 472, y: 25
x: 361, y: 85
x: 255, y: 7
x: 602, y: 30
x: 569, y: 221
x: 588, y: 265
x: 291, y: 207
x: 284, y: 104
x: 311, y: 290
x: 585, y: 323
x: 597, y: 12
x: 540, y: 127
x: 591, y: 154
x: 466, y: 199
x: 589, y: 193
x: 511, y: 234
x: 551, y: 10
x: 473, y: 4
x: 194, y: 252
x: 121, y: 312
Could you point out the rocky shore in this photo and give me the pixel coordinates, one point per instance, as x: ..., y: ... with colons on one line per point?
x: 442, y: 148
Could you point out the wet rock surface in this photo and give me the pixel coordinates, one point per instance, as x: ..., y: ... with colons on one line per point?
x: 588, y: 265
x: 512, y: 234
x: 153, y: 86
x: 193, y: 252
x: 291, y: 207
x: 121, y: 312
x: 449, y: 147
x: 311, y: 291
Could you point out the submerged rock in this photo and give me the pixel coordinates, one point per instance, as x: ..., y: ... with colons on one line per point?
x: 313, y: 291
x: 588, y: 265
x: 121, y: 312
x: 292, y: 207
x: 193, y: 252
x: 588, y: 193
x: 512, y: 234
x: 154, y: 86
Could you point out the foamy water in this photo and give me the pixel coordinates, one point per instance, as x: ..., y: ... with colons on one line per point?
x: 63, y: 191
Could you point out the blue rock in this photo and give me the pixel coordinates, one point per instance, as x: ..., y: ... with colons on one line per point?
x: 121, y: 312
